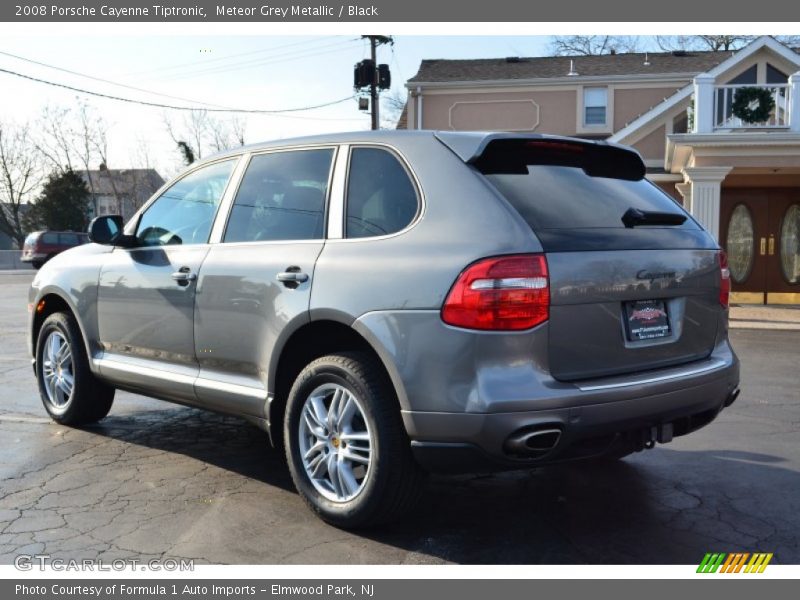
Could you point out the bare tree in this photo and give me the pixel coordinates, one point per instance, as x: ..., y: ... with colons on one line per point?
x: 20, y: 176
x: 671, y: 43
x: 392, y: 106
x: 55, y: 139
x: 198, y: 133
x: 226, y: 134
x: 592, y: 45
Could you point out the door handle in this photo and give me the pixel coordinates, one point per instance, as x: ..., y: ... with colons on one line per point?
x: 292, y: 277
x: 763, y: 248
x: 771, y: 245
x: 184, y: 275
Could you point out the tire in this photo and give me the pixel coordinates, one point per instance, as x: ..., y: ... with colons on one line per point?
x: 88, y: 399
x: 380, y: 490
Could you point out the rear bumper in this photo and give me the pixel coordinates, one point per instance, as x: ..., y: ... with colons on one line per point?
x: 470, y: 442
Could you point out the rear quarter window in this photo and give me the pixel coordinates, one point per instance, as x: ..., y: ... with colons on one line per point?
x: 381, y: 198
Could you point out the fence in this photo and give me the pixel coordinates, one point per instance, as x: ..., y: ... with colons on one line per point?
x: 10, y: 260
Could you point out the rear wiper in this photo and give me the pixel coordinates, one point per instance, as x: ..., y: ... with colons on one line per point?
x: 635, y: 216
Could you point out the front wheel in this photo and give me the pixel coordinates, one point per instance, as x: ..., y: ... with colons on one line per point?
x: 347, y: 450
x: 71, y: 394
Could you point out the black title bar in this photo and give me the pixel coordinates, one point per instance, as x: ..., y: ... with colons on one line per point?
x: 377, y: 11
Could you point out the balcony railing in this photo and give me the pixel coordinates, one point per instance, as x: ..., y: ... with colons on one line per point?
x: 724, y: 118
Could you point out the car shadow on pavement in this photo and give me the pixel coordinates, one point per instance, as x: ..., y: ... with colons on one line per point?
x: 226, y: 442
x: 668, y: 506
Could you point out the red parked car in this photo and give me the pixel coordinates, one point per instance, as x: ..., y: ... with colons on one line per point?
x: 41, y: 246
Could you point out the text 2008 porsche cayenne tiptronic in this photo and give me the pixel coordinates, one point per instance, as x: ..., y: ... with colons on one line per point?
x: 388, y: 304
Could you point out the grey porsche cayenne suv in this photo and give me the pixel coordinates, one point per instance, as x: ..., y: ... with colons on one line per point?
x: 389, y: 304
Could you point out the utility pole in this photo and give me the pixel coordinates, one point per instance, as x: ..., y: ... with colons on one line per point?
x: 374, y: 42
x: 373, y: 88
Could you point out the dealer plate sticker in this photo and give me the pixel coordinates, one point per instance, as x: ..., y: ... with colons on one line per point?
x: 646, y: 320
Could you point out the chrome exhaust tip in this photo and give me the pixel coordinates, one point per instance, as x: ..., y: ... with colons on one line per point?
x: 533, y: 443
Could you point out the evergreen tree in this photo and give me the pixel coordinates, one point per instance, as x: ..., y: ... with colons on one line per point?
x: 62, y: 205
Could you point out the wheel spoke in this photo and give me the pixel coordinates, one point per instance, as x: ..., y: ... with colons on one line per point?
x: 346, y: 415
x: 318, y: 466
x: 317, y: 448
x: 319, y: 410
x: 53, y: 344
x: 333, y: 411
x: 333, y: 476
x: 313, y: 425
x: 346, y: 478
x: 63, y: 353
x: 355, y: 436
x: 66, y: 383
x: 352, y: 454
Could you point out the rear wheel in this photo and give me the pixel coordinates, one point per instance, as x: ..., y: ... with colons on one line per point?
x: 347, y: 450
x: 71, y: 394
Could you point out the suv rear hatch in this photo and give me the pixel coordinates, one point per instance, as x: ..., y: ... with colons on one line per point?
x: 634, y: 281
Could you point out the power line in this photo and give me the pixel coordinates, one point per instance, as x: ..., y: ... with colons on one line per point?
x: 100, y: 79
x: 280, y: 58
x: 262, y: 50
x: 172, y: 107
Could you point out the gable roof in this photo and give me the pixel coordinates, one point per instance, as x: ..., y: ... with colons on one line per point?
x: 136, y: 182
x: 556, y: 67
x: 607, y: 65
x: 648, y: 117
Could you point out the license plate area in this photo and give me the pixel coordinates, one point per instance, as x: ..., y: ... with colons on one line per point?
x: 646, y: 320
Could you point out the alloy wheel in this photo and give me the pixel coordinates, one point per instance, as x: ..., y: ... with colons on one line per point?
x: 335, y: 442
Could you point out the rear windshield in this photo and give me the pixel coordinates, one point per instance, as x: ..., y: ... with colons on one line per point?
x: 32, y: 237
x: 554, y: 197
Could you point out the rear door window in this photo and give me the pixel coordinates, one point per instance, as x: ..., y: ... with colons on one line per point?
x: 282, y: 197
x: 49, y: 238
x: 381, y: 198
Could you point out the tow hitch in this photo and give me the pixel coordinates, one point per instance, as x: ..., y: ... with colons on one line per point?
x: 657, y: 433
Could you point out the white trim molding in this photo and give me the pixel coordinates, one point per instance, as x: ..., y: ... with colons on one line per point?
x: 534, y: 122
x: 704, y: 201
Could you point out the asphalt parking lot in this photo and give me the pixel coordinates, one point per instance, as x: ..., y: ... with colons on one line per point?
x: 156, y: 480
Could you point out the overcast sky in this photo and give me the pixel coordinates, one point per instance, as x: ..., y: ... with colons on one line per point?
x: 249, y: 72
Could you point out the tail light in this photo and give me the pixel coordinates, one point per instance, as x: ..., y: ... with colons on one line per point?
x: 505, y: 293
x: 724, y: 280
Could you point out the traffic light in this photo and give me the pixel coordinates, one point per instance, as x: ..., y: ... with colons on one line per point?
x: 384, y: 77
x: 364, y: 74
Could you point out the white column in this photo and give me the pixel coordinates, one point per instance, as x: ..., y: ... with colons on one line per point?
x: 703, y: 104
x: 685, y: 190
x: 794, y: 102
x: 706, y: 183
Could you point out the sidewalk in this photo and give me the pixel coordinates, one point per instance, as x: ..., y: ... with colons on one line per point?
x: 757, y: 316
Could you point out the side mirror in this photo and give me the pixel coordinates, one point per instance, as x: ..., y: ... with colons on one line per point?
x: 107, y: 230
x: 104, y: 230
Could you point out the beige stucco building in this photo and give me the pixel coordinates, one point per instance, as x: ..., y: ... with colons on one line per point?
x: 740, y: 179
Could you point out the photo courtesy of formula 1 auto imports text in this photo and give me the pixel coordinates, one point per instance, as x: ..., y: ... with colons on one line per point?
x: 383, y: 300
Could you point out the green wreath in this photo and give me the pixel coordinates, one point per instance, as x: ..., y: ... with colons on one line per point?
x: 745, y: 97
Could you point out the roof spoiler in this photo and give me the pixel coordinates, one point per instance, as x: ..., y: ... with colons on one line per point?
x: 508, y: 153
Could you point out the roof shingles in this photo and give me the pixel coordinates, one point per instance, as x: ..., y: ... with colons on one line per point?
x: 551, y: 67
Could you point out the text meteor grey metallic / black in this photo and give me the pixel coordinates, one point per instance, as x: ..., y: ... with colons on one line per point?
x: 386, y: 304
